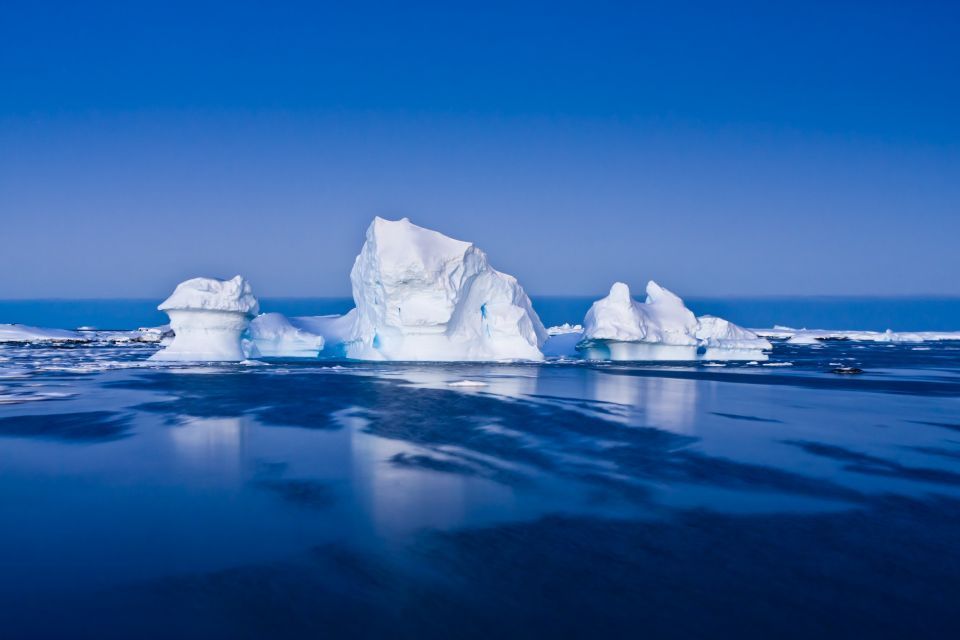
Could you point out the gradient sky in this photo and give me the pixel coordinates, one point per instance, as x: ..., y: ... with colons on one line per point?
x: 719, y: 148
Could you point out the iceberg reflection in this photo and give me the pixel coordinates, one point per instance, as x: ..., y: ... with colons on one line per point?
x: 663, y: 403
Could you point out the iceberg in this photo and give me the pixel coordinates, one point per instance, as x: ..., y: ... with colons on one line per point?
x: 271, y: 335
x: 208, y: 317
x: 423, y: 296
x: 618, y: 327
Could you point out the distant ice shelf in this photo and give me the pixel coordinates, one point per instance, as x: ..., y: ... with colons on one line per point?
x: 815, y: 336
x: 25, y: 333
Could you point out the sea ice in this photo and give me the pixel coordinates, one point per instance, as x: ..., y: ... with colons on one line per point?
x: 208, y: 318
x: 816, y: 336
x: 25, y: 333
x: 423, y: 296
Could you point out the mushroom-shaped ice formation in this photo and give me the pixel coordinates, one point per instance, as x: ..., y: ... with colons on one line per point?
x: 208, y: 317
x: 421, y: 295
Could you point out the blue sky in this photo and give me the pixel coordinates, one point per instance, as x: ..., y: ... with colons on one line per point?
x: 721, y: 148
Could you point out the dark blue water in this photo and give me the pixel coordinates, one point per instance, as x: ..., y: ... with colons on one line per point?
x: 361, y: 500
x: 878, y: 314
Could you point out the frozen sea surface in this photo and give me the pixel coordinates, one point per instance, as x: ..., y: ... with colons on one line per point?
x: 336, y: 499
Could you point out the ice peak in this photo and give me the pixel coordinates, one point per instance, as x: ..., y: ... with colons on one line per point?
x: 659, y: 295
x: 619, y: 292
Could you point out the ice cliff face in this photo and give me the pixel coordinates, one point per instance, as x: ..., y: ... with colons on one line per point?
x: 423, y: 296
x: 620, y: 328
x: 208, y: 317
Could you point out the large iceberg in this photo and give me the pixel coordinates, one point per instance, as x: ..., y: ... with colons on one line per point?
x: 421, y: 295
x: 618, y: 327
x: 208, y: 317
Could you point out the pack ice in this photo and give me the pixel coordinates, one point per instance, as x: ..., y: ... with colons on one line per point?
x: 618, y: 327
x: 208, y: 317
x: 421, y: 295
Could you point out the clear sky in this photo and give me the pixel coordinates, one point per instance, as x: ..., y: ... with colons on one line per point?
x: 719, y: 148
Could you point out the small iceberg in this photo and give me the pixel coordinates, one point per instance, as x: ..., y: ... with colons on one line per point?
x: 618, y: 327
x: 209, y: 318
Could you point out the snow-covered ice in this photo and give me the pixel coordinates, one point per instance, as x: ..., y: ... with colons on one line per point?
x: 815, y: 336
x: 618, y: 327
x: 208, y: 317
x: 423, y: 296
x: 723, y: 340
x: 271, y: 335
x: 25, y: 333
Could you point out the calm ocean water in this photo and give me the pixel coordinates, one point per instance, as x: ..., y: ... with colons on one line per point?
x: 878, y: 314
x: 306, y: 499
x: 564, y: 499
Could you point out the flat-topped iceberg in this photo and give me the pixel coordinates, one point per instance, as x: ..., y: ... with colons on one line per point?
x: 421, y: 295
x: 816, y: 336
x: 26, y: 333
x: 208, y: 317
x: 618, y: 327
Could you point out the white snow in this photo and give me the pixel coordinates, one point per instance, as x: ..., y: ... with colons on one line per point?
x: 271, y: 335
x: 564, y: 329
x: 423, y: 296
x: 26, y: 333
x: 618, y: 327
x: 208, y: 317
